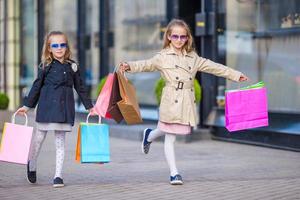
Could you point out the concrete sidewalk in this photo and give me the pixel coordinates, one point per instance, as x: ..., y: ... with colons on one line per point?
x: 211, y: 170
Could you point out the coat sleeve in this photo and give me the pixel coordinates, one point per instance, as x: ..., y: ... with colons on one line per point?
x: 148, y: 65
x: 81, y: 90
x: 208, y: 66
x: 32, y: 98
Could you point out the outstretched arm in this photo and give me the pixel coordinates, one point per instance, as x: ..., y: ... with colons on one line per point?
x: 148, y: 65
x: 208, y: 66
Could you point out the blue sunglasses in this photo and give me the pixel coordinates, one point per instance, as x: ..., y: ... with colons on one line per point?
x: 56, y: 46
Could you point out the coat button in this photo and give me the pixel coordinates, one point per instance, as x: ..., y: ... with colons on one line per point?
x: 176, y: 101
x: 177, y: 77
x: 190, y: 68
x: 192, y: 90
x: 64, y: 72
x: 176, y: 66
x: 190, y: 78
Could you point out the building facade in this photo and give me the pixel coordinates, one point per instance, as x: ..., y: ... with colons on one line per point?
x: 258, y: 37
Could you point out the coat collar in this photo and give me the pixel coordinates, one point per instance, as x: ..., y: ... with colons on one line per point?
x: 170, y: 51
x: 57, y: 61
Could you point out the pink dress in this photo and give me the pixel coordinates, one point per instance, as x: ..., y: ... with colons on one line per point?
x: 174, y: 128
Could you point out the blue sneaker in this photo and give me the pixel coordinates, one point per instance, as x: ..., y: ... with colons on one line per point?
x: 58, y: 182
x: 145, y: 143
x: 176, y: 180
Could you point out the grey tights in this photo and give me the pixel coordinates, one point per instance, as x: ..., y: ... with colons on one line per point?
x: 60, y: 150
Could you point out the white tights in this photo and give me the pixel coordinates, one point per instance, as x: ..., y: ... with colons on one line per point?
x: 60, y: 150
x: 168, y: 147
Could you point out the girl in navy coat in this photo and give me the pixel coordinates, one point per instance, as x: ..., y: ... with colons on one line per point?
x: 53, y: 92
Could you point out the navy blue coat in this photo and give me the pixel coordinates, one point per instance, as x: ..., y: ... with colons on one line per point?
x: 53, y: 92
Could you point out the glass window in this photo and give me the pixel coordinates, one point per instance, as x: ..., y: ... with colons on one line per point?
x: 28, y: 58
x: 262, y: 39
x: 137, y: 36
x: 2, y: 45
x: 92, y: 47
x: 62, y: 16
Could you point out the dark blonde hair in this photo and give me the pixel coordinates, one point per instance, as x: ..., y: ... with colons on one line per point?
x: 47, y: 56
x: 189, y: 45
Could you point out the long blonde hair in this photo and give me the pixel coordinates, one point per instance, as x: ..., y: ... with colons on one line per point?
x: 47, y: 56
x: 189, y: 45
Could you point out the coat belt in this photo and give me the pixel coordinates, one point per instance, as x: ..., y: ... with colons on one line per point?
x: 179, y: 85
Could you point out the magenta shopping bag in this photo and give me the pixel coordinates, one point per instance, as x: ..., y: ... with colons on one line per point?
x: 246, y: 108
x: 15, y: 142
x: 102, y: 103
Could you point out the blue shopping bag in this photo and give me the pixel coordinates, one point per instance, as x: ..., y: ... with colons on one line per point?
x: 93, y: 143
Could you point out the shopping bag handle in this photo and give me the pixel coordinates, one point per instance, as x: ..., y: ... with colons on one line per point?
x: 117, y: 71
x: 256, y: 85
x: 88, y: 116
x: 14, y: 116
x: 123, y: 74
x: 253, y: 86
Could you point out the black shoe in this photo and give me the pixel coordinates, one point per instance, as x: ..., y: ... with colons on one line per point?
x: 31, y: 175
x: 145, y: 143
x: 58, y: 182
x: 176, y: 180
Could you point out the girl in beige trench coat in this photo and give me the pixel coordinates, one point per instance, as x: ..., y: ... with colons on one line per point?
x: 178, y: 64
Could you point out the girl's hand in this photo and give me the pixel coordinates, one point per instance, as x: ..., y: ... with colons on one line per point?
x: 243, y: 78
x: 92, y: 112
x: 22, y: 110
x: 123, y: 67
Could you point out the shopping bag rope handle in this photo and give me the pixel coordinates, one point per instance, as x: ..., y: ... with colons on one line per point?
x: 253, y: 86
x: 14, y: 116
x: 256, y: 85
x: 88, y: 116
x: 117, y: 70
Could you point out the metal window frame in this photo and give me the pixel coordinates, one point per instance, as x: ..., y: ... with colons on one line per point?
x: 5, y: 47
x: 81, y: 32
x: 40, y: 26
x: 104, y: 38
x: 208, y: 49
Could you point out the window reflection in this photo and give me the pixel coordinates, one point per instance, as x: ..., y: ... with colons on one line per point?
x: 28, y: 62
x: 137, y: 35
x: 92, y: 47
x: 262, y: 39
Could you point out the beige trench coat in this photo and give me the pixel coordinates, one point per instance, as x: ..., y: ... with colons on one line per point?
x: 178, y: 103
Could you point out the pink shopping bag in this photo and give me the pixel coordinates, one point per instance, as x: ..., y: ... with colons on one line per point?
x: 102, y: 103
x: 15, y: 142
x: 245, y: 109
